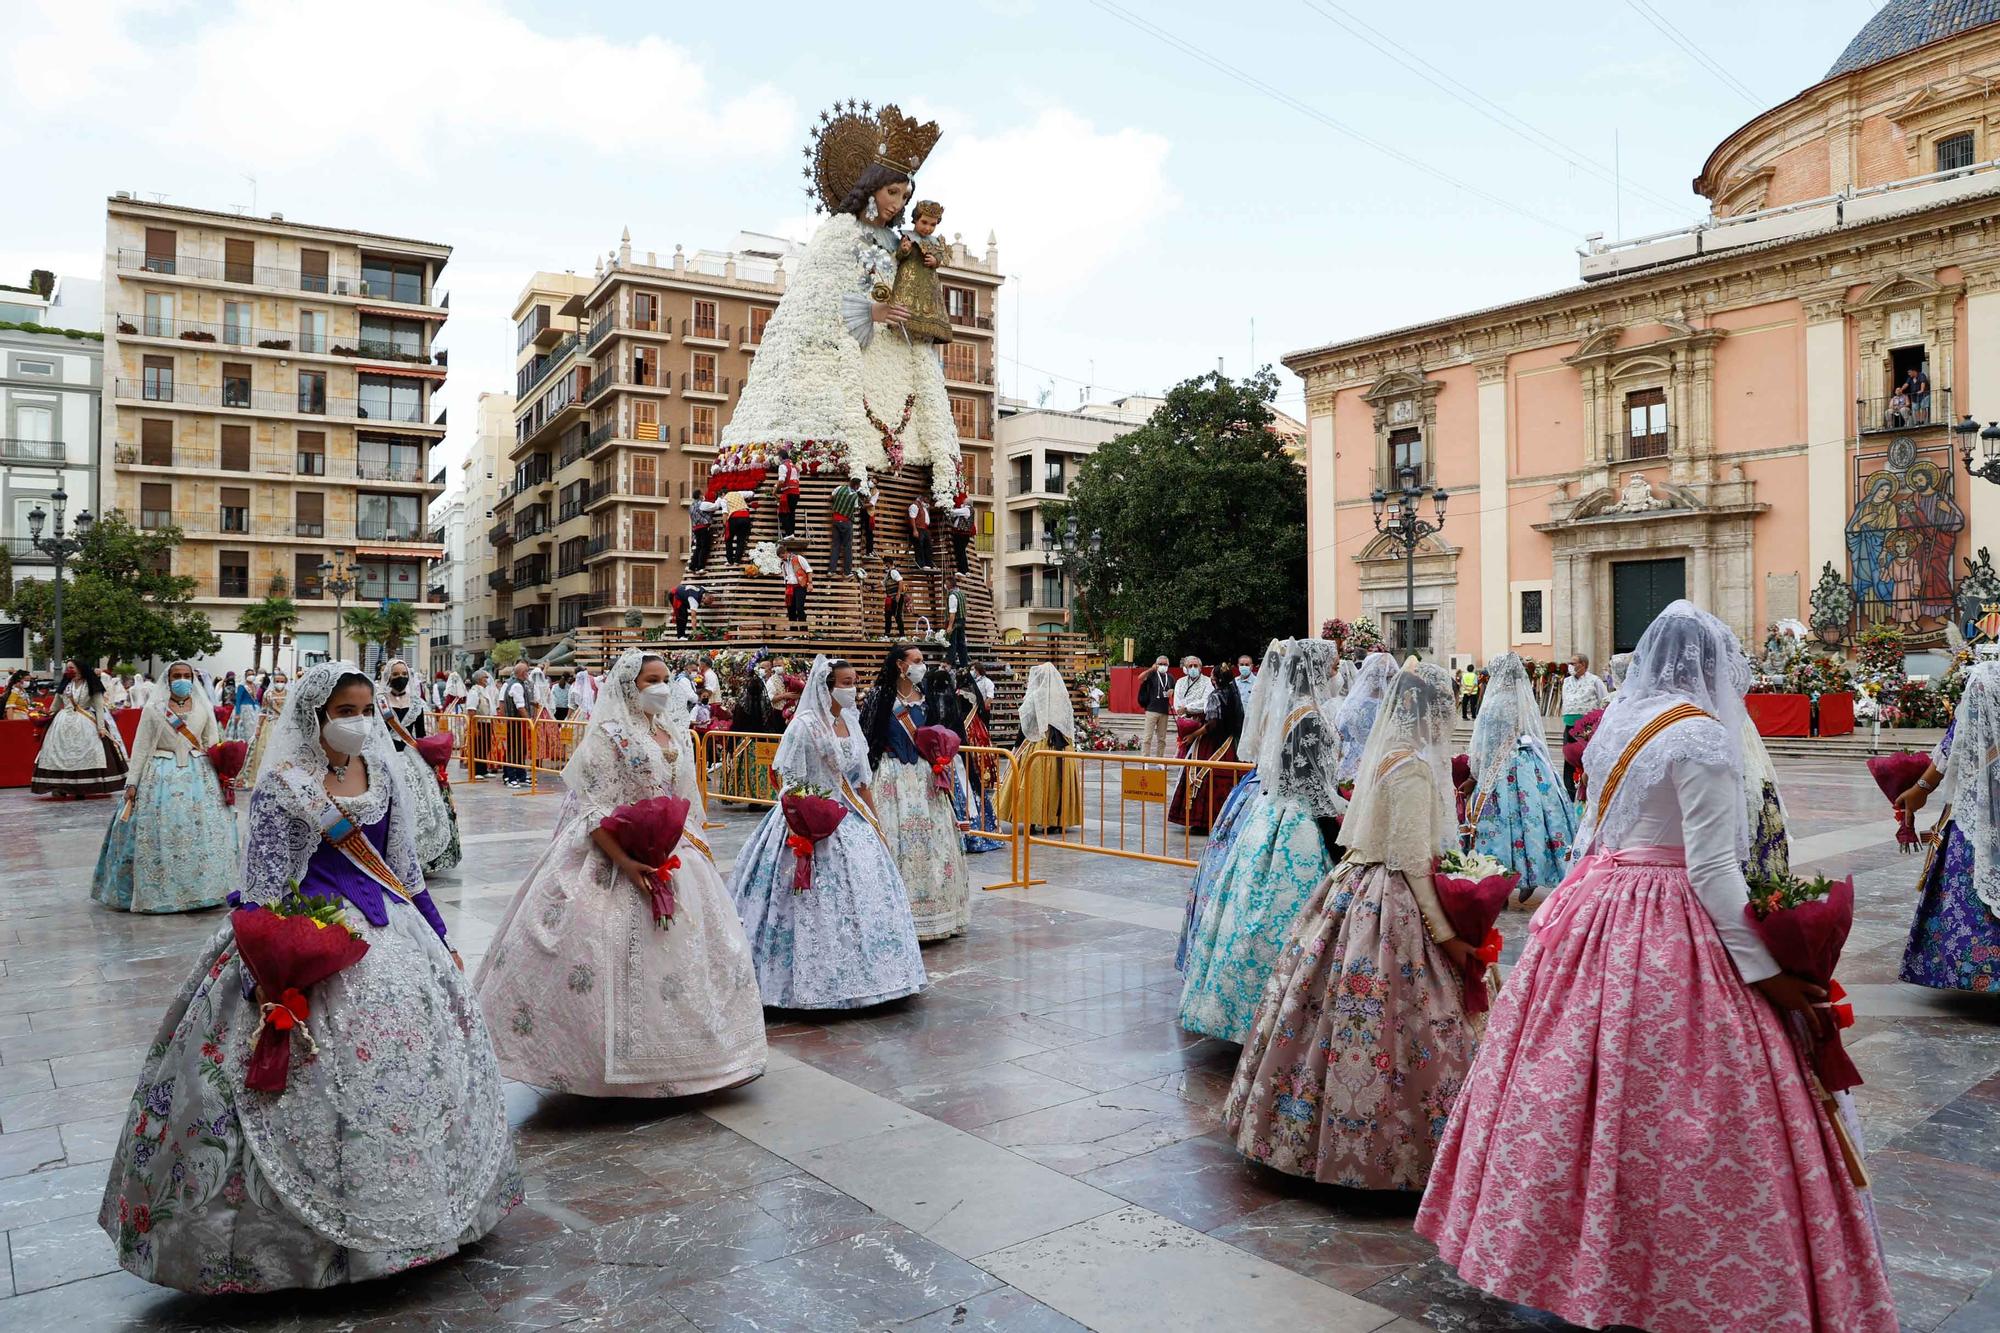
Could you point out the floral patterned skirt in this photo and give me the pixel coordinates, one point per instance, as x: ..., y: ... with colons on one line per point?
x: 1637, y: 1144
x: 435, y: 827
x: 1361, y: 1044
x: 1528, y: 824
x: 1955, y: 938
x: 1214, y: 857
x: 388, y: 1149
x: 921, y: 829
x: 180, y: 850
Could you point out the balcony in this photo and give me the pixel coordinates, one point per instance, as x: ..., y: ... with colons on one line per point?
x: 599, y: 332
x: 599, y: 490
x: 694, y: 438
x: 16, y: 450
x: 705, y: 330
x: 248, y: 275
x: 1040, y: 599
x: 968, y: 319
x: 500, y: 534
x: 531, y: 627
x: 982, y: 375
x: 599, y: 438
x: 713, y: 385
x: 595, y: 388
x: 531, y: 578
x: 496, y: 628
x: 499, y: 580
x: 751, y: 338
x: 1882, y: 416
x: 535, y: 372
x: 596, y: 547
x: 201, y: 333
x: 405, y: 472
x: 381, y: 530
x: 266, y: 401
x: 1390, y: 480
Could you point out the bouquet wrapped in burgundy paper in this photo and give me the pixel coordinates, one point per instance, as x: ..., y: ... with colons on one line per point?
x: 288, y: 948
x: 1804, y: 923
x: 1461, y: 782
x: 648, y: 831
x: 938, y: 746
x: 226, y: 758
x: 1896, y: 774
x: 812, y: 814
x: 1472, y: 888
x: 1577, y: 739
x: 1185, y: 729
x: 436, y: 750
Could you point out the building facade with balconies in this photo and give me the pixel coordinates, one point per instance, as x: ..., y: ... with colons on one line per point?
x: 1039, y: 451
x: 51, y: 386
x: 1740, y: 413
x: 487, y: 473
x: 270, y: 392
x: 542, y: 470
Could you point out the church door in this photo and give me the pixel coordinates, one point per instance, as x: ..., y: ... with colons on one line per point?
x: 1640, y: 590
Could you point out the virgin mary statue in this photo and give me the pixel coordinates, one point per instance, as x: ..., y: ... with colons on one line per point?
x: 837, y: 383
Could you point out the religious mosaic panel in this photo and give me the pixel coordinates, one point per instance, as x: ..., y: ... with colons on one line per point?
x: 1902, y: 536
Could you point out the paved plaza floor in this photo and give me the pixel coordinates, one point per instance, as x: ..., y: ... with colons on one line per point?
x: 1032, y: 1144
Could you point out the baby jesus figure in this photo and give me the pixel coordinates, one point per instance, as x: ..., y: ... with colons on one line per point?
x: 917, y: 288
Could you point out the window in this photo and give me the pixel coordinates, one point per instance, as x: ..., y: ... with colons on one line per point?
x: 645, y: 529
x: 235, y: 384
x: 312, y: 330
x: 235, y: 509
x: 1024, y: 588
x: 312, y: 271
x: 961, y: 362
x: 1531, y: 611
x: 396, y: 518
x: 400, y: 460
x: 392, y: 280
x: 312, y: 391
x: 961, y: 304
x: 1411, y: 634
x: 391, y: 337
x: 239, y: 260
x: 23, y: 366
x: 1954, y: 152
x: 704, y: 372
x: 645, y: 584
x: 1406, y: 453
x: 1052, y: 475
x: 156, y: 442
x: 526, y: 329
x: 645, y: 419
x: 646, y: 311
x: 235, y: 448
x: 704, y: 320
x: 159, y: 320
x: 236, y: 323
x: 386, y: 398
x: 701, y: 426
x: 312, y: 453
x: 645, y: 474
x: 160, y: 247
x: 1646, y: 423
x: 158, y: 386
x: 377, y: 579
x: 305, y: 576
x: 1052, y: 589
x: 232, y: 573
x: 156, y: 505
x: 963, y: 415
x: 759, y: 317
x: 646, y: 366
x: 309, y: 514
x: 34, y: 429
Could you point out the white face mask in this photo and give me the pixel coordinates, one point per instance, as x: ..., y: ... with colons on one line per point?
x: 917, y: 673
x: 345, y: 735
x: 844, y: 696
x: 653, y: 699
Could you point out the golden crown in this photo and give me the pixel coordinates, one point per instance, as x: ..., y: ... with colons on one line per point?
x: 848, y: 140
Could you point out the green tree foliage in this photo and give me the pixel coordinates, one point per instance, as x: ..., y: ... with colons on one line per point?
x: 506, y: 653
x: 272, y: 619
x: 399, y: 626
x: 116, y: 600
x: 1187, y: 534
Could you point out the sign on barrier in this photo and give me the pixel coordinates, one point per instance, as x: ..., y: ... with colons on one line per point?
x: 1143, y: 784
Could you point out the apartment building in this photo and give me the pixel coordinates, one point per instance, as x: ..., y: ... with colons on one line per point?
x: 625, y: 381
x: 51, y: 382
x: 444, y: 636
x: 487, y: 473
x: 269, y: 393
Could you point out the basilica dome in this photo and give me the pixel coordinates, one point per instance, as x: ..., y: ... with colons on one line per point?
x: 1905, y: 25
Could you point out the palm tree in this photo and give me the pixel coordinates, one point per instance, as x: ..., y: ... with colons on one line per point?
x: 364, y: 626
x: 399, y: 625
x: 272, y: 618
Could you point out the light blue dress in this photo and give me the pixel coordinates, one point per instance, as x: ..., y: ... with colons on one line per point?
x: 179, y: 850
x: 243, y: 716
x: 1278, y: 858
x: 1221, y: 839
x: 1526, y: 822
x: 849, y: 940
x: 1355, y: 720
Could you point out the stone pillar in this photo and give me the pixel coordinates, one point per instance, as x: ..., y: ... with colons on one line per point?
x: 1322, y: 539
x: 1829, y: 407
x: 1496, y: 622
x: 1978, y: 391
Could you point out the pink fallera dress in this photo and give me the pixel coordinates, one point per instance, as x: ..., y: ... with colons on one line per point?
x: 1636, y: 1143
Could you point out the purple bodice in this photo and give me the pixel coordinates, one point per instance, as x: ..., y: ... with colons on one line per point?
x: 329, y: 874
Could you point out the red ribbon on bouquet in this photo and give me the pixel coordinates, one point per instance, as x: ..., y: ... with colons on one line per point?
x: 648, y: 831
x: 811, y: 819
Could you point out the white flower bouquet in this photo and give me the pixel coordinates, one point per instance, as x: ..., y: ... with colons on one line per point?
x: 764, y: 559
x: 1470, y: 865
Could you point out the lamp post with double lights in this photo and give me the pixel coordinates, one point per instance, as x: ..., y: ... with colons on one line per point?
x: 336, y: 578
x: 1396, y: 516
x: 1989, y: 438
x: 58, y: 547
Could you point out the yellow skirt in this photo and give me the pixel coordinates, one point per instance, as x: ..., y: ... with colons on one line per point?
x: 1057, y: 799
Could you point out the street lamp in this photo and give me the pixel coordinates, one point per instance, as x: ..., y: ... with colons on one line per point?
x: 1965, y: 428
x: 58, y: 548
x: 335, y: 578
x: 1396, y: 516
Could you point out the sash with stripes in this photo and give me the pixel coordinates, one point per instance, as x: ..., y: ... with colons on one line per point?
x: 1678, y: 713
x: 183, y: 730
x: 396, y: 725
x: 343, y: 834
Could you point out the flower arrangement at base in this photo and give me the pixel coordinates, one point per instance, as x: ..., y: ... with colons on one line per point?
x: 764, y: 560
x: 812, y: 814
x: 1473, y: 888
x: 648, y: 831
x: 226, y: 758
x: 288, y: 948
x: 1335, y: 629
x: 1362, y: 636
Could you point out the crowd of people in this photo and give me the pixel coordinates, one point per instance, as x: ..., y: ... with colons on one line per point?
x: 1643, y: 1014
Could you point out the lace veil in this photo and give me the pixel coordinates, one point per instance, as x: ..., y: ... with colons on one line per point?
x: 1046, y: 703
x: 1385, y: 825
x: 1298, y: 750
x: 618, y: 761
x: 1255, y: 715
x: 1620, y: 667
x: 1972, y: 780
x: 1365, y: 692
x: 1507, y: 716
x: 286, y: 807
x: 1686, y: 656
x: 154, y: 729
x: 811, y: 751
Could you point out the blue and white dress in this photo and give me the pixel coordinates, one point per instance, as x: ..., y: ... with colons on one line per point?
x: 1526, y: 821
x: 173, y: 844
x: 243, y: 716
x: 1215, y: 855
x: 849, y: 940
x: 920, y: 825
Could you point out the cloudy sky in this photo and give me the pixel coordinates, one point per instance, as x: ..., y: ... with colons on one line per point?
x: 1171, y: 182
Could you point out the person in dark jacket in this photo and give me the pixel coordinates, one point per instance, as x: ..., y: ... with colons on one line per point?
x: 1156, y: 696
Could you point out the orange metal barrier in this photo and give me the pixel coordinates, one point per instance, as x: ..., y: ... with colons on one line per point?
x: 1127, y: 784
x: 533, y: 746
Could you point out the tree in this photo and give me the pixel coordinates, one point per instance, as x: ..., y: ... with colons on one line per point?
x: 506, y: 653
x: 117, y: 599
x: 1187, y: 534
x: 272, y: 619
x: 399, y: 626
x: 364, y: 626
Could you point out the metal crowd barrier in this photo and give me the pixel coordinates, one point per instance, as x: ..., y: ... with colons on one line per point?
x: 1141, y: 789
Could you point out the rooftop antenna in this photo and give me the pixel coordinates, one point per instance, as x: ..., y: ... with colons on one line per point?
x: 253, y: 192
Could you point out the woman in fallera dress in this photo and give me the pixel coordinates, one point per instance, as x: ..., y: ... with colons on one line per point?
x: 849, y: 940
x: 408, y: 717
x: 389, y: 1147
x: 917, y: 819
x: 1355, y: 716
x: 244, y: 715
x: 1200, y: 793
x: 82, y: 753
x: 1955, y: 938
x: 586, y: 993
x: 957, y: 709
x: 1363, y: 1040
x: 1520, y: 815
x: 272, y: 706
x: 1637, y: 1143
x: 1050, y: 797
x: 1284, y: 850
x: 173, y: 845
x: 1222, y: 837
